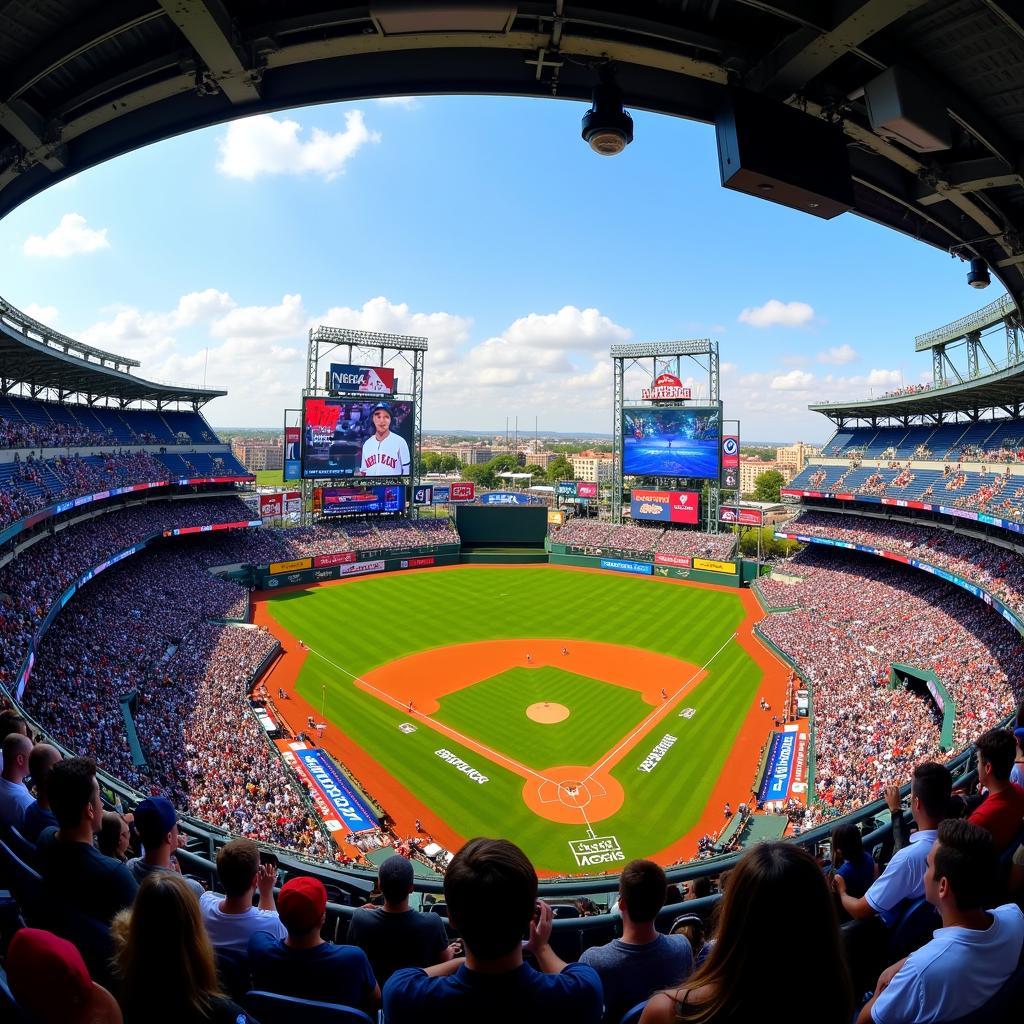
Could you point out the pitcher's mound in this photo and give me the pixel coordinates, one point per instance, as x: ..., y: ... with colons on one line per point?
x: 547, y: 713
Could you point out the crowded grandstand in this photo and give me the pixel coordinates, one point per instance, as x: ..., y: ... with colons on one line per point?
x: 188, y: 834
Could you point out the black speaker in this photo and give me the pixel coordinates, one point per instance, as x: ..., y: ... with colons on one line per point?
x: 776, y: 152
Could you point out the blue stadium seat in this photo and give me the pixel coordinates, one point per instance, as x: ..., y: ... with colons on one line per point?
x: 914, y: 928
x: 269, y: 1008
x: 26, y: 884
x: 633, y: 1015
x: 19, y: 845
x: 10, y: 1012
x: 234, y: 972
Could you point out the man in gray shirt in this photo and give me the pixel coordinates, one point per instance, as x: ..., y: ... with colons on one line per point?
x: 157, y: 825
x: 642, y: 961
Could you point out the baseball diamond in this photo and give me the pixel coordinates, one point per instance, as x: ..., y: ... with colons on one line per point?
x: 484, y: 758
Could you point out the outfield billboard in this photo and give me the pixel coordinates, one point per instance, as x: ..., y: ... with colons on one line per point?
x: 294, y: 565
x: 292, y: 453
x: 711, y: 565
x: 364, y: 380
x: 349, y: 501
x: 334, y: 558
x: 423, y: 494
x: 730, y: 478
x: 345, y: 437
x: 680, y: 442
x: 462, y: 492
x: 666, y: 506
x: 586, y: 490
x: 733, y: 514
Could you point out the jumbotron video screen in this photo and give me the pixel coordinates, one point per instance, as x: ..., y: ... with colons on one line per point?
x: 346, y: 438
x: 680, y: 442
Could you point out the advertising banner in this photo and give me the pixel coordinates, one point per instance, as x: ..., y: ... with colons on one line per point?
x: 271, y: 506
x: 292, y: 502
x: 779, y: 767
x: 357, y: 568
x: 336, y: 558
x: 556, y: 517
x: 732, y: 514
x: 418, y: 563
x: 351, y: 809
x: 567, y: 488
x: 622, y: 565
x: 731, y: 461
x: 292, y: 453
x: 462, y: 492
x: 442, y: 494
x: 366, y: 380
x: 423, y: 494
x: 665, y: 506
x: 681, y: 561
x: 343, y: 501
x: 242, y: 524
x: 505, y: 498
x: 293, y: 566
x: 709, y: 565
x: 586, y: 490
x: 665, y: 386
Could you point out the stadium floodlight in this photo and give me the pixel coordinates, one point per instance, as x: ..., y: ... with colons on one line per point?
x: 978, y: 276
x: 607, y: 128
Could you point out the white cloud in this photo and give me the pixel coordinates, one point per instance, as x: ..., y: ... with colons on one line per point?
x: 287, y: 319
x: 265, y: 145
x: 70, y: 237
x: 44, y: 314
x: 445, y: 332
x: 884, y: 379
x: 583, y: 330
x: 778, y: 314
x: 795, y: 380
x: 838, y: 355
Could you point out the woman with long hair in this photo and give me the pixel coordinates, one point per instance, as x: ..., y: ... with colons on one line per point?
x: 164, y: 960
x: 777, y: 916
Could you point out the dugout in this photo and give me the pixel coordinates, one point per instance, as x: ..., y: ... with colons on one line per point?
x: 502, y: 533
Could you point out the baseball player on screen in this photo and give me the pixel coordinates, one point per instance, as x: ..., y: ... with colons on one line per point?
x: 384, y: 453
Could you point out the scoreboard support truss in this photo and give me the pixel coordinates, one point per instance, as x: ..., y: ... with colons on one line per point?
x: 679, y: 358
x: 401, y: 352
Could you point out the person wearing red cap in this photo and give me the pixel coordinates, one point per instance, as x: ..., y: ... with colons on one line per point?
x: 51, y: 983
x: 303, y: 964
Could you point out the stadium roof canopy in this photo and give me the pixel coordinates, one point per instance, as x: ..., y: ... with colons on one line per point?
x: 53, y: 365
x: 85, y: 80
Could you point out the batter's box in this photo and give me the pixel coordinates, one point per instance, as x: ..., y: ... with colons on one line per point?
x: 592, y: 852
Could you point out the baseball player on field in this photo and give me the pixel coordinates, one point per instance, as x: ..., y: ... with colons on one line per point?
x: 384, y: 453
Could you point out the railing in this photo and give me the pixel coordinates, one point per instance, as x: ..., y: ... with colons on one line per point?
x: 976, y: 321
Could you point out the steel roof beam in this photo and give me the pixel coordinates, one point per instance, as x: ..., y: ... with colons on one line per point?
x: 968, y: 176
x: 808, y: 51
x: 27, y: 129
x: 207, y: 27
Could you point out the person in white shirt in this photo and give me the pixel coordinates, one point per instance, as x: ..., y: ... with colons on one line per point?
x: 233, y: 920
x: 971, y: 956
x: 14, y: 794
x: 903, y: 877
x: 384, y: 453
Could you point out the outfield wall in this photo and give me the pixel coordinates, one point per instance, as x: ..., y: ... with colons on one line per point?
x: 502, y: 525
x: 635, y: 567
x: 304, y: 574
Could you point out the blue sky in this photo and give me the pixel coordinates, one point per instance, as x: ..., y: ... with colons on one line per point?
x: 488, y: 226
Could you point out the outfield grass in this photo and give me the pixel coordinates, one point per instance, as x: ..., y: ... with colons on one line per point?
x: 370, y: 622
x: 493, y: 712
x: 271, y: 478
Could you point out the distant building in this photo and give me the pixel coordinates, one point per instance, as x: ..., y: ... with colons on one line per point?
x: 751, y: 469
x: 541, y: 458
x: 473, y: 454
x: 593, y: 467
x: 795, y: 456
x: 258, y: 455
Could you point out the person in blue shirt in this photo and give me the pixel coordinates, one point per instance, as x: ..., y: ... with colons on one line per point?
x: 855, y: 864
x: 303, y: 964
x: 491, y: 891
x: 972, y: 956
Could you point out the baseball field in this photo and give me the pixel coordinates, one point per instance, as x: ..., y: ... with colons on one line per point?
x: 591, y: 717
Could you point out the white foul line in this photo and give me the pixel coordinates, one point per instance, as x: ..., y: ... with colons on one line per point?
x: 472, y: 744
x: 659, y: 710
